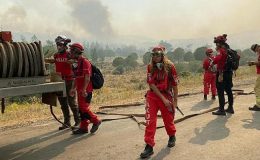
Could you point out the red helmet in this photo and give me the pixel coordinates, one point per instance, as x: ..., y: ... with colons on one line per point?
x: 78, y: 46
x: 209, y: 50
x: 220, y: 39
x: 158, y: 49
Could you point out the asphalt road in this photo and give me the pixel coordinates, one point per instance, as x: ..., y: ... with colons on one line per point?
x: 203, y: 137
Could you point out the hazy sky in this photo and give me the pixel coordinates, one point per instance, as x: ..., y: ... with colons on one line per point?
x: 110, y: 19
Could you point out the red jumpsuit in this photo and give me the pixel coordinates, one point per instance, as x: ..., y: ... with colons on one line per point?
x: 153, y: 103
x: 87, y: 116
x: 209, y: 80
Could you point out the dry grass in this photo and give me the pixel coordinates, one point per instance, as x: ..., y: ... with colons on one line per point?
x: 118, y: 89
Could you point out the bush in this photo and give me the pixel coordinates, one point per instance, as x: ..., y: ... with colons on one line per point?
x: 119, y: 70
x: 118, y: 61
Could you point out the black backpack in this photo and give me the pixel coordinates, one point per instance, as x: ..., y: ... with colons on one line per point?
x: 232, y: 61
x: 96, y: 77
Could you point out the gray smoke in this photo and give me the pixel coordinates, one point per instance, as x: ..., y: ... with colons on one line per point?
x: 92, y: 17
x: 13, y: 18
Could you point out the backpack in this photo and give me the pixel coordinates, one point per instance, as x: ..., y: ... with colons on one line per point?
x: 232, y: 61
x: 96, y: 77
x: 213, y: 67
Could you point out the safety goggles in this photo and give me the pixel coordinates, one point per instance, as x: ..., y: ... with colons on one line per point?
x: 156, y: 54
x: 59, y: 44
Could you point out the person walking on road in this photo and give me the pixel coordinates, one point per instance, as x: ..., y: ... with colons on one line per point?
x: 83, y: 86
x: 162, y: 95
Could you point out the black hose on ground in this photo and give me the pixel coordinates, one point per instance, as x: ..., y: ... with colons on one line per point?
x: 2, y: 105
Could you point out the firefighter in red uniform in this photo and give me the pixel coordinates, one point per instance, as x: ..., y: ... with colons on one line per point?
x: 209, y: 80
x: 64, y: 69
x: 162, y: 79
x: 83, y: 86
x: 224, y: 76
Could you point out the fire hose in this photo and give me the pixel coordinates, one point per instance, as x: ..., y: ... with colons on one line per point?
x: 133, y: 116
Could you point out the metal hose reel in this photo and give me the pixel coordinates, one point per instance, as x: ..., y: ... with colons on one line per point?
x: 19, y: 59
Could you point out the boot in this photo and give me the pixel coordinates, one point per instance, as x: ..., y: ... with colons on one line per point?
x: 76, y: 116
x: 80, y: 131
x: 67, y: 125
x: 213, y: 97
x: 254, y: 108
x: 95, y: 127
x: 230, y: 110
x: 219, y: 112
x: 205, y: 97
x: 148, y: 151
x: 66, y: 115
x: 171, y: 141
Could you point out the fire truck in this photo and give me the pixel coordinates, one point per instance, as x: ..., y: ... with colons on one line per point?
x: 23, y: 71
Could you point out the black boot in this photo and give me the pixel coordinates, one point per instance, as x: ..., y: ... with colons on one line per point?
x: 148, y: 151
x: 95, y: 127
x: 171, y: 141
x: 80, y: 131
x: 205, y: 97
x: 76, y: 116
x: 230, y: 110
x: 64, y: 126
x: 254, y: 108
x: 213, y: 97
x: 66, y: 113
x: 219, y: 112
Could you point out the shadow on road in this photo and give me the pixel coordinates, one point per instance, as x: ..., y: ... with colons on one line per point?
x: 253, y: 123
x: 202, y: 105
x: 162, y: 153
x: 30, y: 149
x: 214, y: 130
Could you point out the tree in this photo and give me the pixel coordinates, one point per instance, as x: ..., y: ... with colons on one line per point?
x: 170, y: 56
x: 178, y: 54
x: 34, y: 38
x: 199, y: 53
x: 146, y: 58
x: 188, y: 56
x: 130, y: 61
x: 167, y: 45
x: 94, y: 55
x: 133, y: 56
x: 49, y: 49
x: 118, y: 61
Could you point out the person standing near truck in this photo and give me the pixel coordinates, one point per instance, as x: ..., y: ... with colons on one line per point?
x: 64, y: 70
